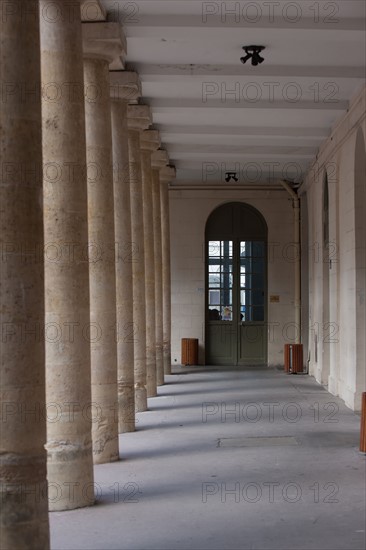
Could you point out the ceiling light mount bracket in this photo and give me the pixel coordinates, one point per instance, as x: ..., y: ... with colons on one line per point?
x: 253, y: 53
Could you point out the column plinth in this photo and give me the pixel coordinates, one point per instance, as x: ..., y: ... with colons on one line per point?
x: 139, y: 118
x: 23, y: 484
x: 102, y: 43
x: 69, y: 442
x: 125, y: 87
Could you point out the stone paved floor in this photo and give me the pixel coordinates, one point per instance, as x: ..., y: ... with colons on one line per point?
x: 229, y: 459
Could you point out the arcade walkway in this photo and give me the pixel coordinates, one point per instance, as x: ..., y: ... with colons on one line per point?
x: 229, y: 459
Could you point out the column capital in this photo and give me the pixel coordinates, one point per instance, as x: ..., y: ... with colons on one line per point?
x: 105, y: 40
x: 125, y: 85
x: 168, y: 174
x: 92, y: 10
x: 159, y: 159
x: 149, y: 140
x: 139, y: 117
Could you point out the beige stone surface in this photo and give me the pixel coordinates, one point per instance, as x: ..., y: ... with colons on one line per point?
x: 138, y: 268
x: 105, y: 40
x: 125, y: 85
x: 125, y: 251
x: 101, y: 236
x: 138, y: 118
x: 158, y: 278
x: 69, y: 443
x: 23, y: 486
x: 92, y: 10
x: 336, y: 331
x: 149, y: 142
x: 167, y: 174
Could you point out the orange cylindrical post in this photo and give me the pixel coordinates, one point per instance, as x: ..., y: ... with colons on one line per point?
x: 297, y: 358
x: 287, y: 351
x: 293, y: 358
x: 189, y: 351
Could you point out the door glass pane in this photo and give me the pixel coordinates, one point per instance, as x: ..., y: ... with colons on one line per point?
x: 252, y: 281
x: 257, y: 297
x: 258, y: 313
x: 220, y: 280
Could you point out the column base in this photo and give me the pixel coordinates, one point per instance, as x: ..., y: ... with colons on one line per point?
x: 126, y: 409
x: 105, y: 450
x: 105, y: 423
x: 167, y: 362
x: 70, y: 477
x: 24, y: 502
x: 159, y: 366
x: 152, y: 392
x: 140, y: 399
x: 151, y: 374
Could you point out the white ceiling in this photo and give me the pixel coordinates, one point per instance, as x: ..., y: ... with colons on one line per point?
x: 216, y: 114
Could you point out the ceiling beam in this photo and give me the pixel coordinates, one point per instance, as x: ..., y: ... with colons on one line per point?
x: 245, y: 131
x: 160, y: 105
x: 194, y: 165
x: 187, y: 185
x: 240, y: 150
x: 147, y: 25
x: 154, y: 73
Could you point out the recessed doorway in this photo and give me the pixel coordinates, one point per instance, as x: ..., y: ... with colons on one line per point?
x: 236, y: 286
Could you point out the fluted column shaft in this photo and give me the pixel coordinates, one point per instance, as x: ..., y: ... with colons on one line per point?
x: 69, y: 445
x: 23, y: 486
x: 149, y: 142
x: 158, y: 278
x: 124, y: 86
x: 138, y: 119
x: 138, y: 271
x: 125, y: 251
x: 165, y: 228
x: 149, y: 274
x: 102, y: 267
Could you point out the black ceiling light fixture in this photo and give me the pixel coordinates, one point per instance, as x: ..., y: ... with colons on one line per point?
x: 253, y: 54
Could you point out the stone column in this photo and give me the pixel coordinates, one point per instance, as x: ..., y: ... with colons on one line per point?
x: 69, y: 445
x: 139, y: 118
x: 167, y: 174
x: 149, y: 142
x: 102, y: 43
x: 23, y: 485
x: 125, y: 86
x: 158, y: 160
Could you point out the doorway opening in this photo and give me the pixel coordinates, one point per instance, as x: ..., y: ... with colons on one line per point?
x: 236, y: 286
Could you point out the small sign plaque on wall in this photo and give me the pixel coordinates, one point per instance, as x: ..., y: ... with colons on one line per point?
x: 274, y: 298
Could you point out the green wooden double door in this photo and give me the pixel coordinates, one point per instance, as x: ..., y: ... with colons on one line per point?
x: 236, y: 286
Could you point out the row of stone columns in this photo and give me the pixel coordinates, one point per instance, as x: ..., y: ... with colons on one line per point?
x: 98, y: 289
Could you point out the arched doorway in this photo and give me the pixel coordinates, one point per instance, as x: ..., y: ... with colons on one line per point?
x: 236, y: 286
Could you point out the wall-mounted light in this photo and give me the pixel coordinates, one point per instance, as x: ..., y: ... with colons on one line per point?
x: 253, y: 54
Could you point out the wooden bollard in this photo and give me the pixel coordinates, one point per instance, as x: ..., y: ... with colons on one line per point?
x: 293, y: 358
x: 363, y: 424
x: 189, y: 351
